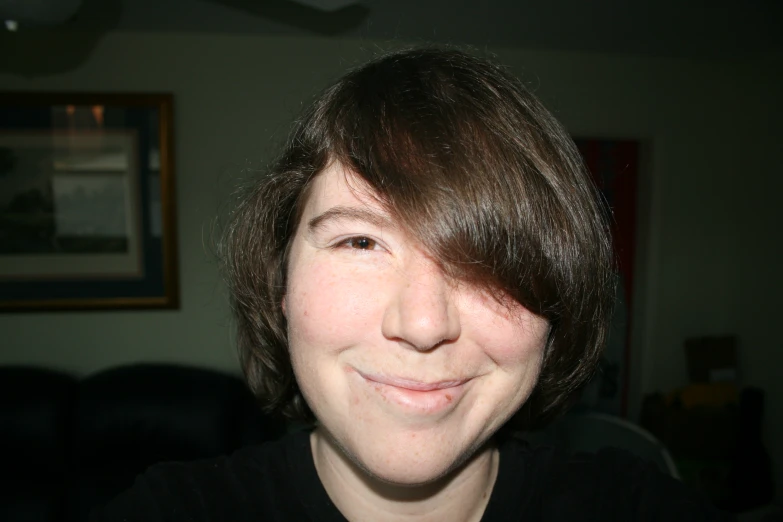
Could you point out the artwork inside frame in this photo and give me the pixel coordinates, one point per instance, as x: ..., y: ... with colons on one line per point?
x: 87, y: 202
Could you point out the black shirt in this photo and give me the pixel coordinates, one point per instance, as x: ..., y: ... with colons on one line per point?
x: 278, y: 481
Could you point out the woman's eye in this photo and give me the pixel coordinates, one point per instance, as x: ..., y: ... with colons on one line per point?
x: 361, y: 243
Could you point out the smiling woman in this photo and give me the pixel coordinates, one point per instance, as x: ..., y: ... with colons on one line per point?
x: 390, y: 352
x: 425, y: 271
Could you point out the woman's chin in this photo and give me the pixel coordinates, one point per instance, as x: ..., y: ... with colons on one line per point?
x: 414, y: 475
x: 409, y: 468
x: 401, y: 457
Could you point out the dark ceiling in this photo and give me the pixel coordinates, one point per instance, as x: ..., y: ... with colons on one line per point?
x: 661, y: 28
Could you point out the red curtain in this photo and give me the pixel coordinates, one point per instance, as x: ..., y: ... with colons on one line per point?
x: 614, y: 165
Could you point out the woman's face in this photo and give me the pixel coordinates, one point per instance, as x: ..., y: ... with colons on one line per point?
x: 407, y: 371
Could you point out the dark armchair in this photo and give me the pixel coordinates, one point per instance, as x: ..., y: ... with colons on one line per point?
x: 70, y: 444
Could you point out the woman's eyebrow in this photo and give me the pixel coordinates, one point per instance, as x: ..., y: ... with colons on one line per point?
x: 340, y: 213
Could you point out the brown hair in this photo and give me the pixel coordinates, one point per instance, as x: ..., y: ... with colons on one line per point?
x: 474, y: 167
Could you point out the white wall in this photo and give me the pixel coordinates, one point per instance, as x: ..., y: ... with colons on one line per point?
x: 709, y: 246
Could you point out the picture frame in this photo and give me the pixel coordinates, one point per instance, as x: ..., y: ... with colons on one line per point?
x: 87, y: 204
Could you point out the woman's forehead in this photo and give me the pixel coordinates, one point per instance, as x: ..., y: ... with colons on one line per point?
x: 339, y: 187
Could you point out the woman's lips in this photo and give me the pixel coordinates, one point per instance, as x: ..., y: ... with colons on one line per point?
x: 417, y: 396
x: 410, y: 384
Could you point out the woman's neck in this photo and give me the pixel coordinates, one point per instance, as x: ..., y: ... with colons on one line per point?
x: 460, y: 496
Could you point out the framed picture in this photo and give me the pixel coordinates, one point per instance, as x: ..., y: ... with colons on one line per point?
x: 87, y: 202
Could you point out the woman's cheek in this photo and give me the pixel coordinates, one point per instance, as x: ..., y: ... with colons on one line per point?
x: 333, y: 302
x: 509, y: 352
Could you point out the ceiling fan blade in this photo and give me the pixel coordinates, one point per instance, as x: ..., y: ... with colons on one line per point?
x: 303, y: 16
x: 40, y: 50
x: 326, y: 5
x: 39, y: 12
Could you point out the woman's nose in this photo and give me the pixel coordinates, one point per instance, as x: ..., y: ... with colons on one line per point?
x: 422, y: 312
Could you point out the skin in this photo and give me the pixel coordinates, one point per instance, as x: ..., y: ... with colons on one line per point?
x: 408, y: 373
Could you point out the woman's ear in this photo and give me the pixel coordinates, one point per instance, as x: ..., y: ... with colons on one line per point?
x: 282, y: 306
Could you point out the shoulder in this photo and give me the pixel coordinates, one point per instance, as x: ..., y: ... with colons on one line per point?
x: 622, y: 484
x: 242, y: 486
x: 611, y: 484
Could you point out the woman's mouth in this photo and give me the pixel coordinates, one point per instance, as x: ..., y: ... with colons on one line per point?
x: 417, y: 396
